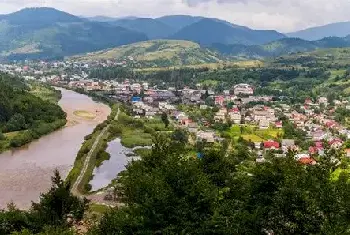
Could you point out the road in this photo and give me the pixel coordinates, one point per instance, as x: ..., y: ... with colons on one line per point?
x: 74, y: 189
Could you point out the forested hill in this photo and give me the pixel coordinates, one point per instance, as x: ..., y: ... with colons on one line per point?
x: 24, y: 116
x: 280, y: 47
x: 47, y: 33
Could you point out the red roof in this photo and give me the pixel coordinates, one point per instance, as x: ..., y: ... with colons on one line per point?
x: 308, y: 101
x: 278, y: 124
x: 319, y: 144
x: 335, y: 141
x: 234, y: 110
x: 271, y: 144
x: 315, y: 150
x: 307, y: 161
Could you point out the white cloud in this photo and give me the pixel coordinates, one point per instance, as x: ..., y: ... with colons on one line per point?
x: 283, y: 15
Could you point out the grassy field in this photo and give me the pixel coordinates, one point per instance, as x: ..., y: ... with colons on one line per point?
x: 212, y: 66
x: 135, y: 137
x: 157, y: 53
x: 253, y: 133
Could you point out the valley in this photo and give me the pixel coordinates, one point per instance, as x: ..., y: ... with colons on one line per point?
x: 174, y: 124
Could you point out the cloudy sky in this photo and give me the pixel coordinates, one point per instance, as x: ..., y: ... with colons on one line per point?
x: 283, y: 15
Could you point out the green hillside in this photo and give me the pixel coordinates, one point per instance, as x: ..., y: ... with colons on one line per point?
x: 157, y: 53
x: 48, y: 33
x: 280, y: 47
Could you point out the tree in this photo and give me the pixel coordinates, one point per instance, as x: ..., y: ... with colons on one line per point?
x: 180, y: 136
x: 230, y: 194
x: 49, y: 216
x: 16, y: 123
x: 165, y: 119
x: 58, y: 203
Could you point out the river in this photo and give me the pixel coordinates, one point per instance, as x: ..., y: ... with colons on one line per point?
x: 103, y: 175
x: 25, y: 173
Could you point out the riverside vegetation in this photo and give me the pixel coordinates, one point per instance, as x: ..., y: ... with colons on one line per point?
x: 132, y: 132
x: 24, y: 115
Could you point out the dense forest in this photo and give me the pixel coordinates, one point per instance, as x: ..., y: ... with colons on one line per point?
x: 169, y: 193
x: 23, y: 116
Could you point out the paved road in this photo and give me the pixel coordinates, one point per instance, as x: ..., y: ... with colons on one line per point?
x: 74, y: 189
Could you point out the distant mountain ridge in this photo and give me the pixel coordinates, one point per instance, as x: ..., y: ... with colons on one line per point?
x: 204, y: 31
x: 280, y: 47
x: 154, y: 29
x: 47, y: 33
x: 34, y: 33
x: 339, y: 29
x: 208, y: 31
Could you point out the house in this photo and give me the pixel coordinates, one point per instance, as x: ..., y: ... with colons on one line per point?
x: 308, y: 101
x: 257, y: 145
x: 319, y: 135
x: 235, y: 115
x: 150, y: 114
x: 278, y: 124
x: 192, y: 127
x: 148, y: 99
x: 323, y: 100
x: 317, y: 149
x: 347, y: 153
x: 186, y: 121
x: 287, y: 144
x: 264, y: 124
x: 135, y: 99
x: 207, y: 136
x: 336, y: 143
x: 305, y: 159
x: 271, y: 145
x: 235, y: 118
x: 244, y: 89
x: 220, y: 116
x: 219, y: 100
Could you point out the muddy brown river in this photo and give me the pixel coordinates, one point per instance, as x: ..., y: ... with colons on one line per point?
x: 26, y: 173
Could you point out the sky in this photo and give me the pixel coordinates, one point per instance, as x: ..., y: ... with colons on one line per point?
x: 282, y: 15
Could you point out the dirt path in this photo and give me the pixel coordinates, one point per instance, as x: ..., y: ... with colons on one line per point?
x: 74, y: 189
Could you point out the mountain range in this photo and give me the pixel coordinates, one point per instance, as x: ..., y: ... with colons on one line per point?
x: 47, y: 33
x: 279, y: 47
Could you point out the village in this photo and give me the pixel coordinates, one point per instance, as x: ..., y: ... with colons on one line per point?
x: 258, y: 120
x: 235, y: 114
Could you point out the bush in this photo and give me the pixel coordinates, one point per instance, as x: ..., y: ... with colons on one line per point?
x: 21, y: 139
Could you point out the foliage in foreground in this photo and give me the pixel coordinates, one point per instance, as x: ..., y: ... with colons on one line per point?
x: 169, y: 193
x: 49, y: 216
x: 166, y: 193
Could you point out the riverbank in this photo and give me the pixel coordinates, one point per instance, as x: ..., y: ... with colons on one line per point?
x: 17, y: 133
x: 26, y: 172
x: 131, y: 133
x: 91, y: 154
